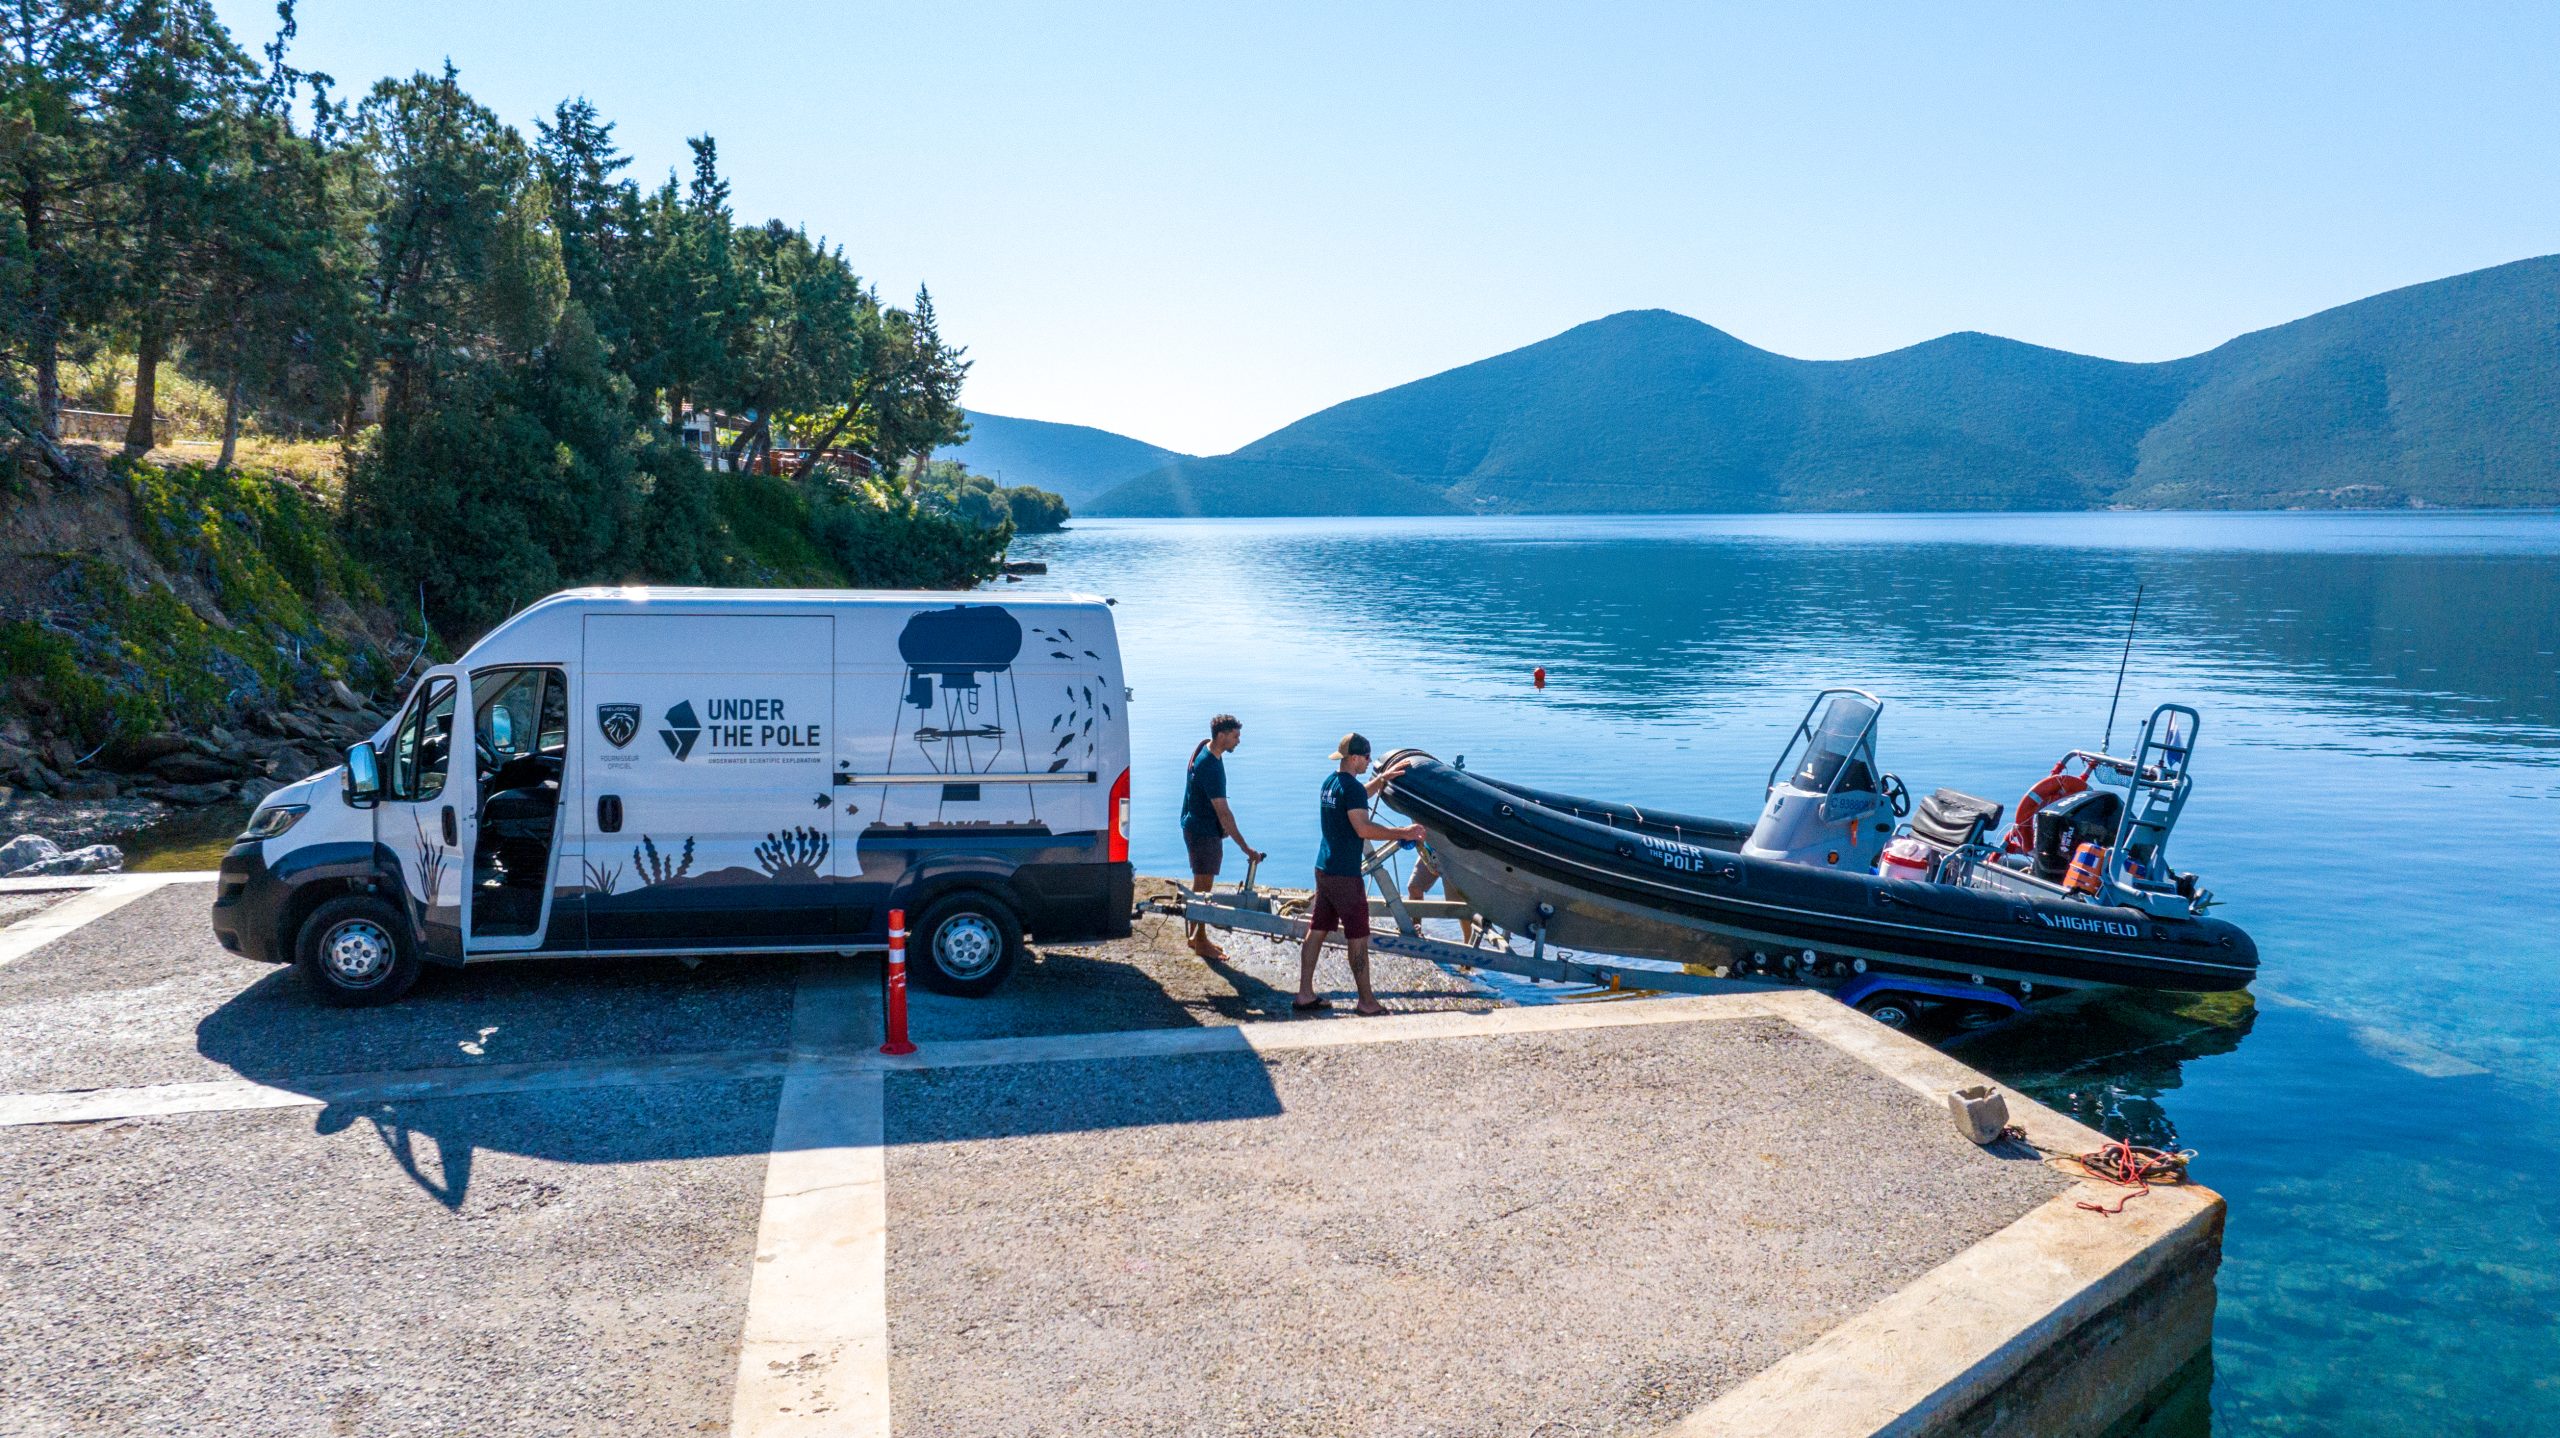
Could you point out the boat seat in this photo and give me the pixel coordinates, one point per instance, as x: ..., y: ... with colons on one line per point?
x: 1952, y: 820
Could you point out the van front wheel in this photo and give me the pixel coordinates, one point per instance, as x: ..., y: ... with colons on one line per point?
x: 965, y: 944
x: 355, y: 952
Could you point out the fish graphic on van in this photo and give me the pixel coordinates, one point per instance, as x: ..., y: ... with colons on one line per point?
x: 682, y: 729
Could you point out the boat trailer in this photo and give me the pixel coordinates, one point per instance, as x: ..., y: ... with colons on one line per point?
x: 1890, y: 998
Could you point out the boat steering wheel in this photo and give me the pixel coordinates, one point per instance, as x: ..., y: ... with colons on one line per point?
x: 1894, y: 792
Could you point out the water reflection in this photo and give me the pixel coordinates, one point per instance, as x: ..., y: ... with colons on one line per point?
x: 2107, y: 1059
x: 1647, y: 626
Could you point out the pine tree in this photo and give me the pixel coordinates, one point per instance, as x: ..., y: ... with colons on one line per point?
x: 57, y: 61
x: 172, y: 113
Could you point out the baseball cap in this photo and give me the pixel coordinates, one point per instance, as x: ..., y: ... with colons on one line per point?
x: 1351, y: 744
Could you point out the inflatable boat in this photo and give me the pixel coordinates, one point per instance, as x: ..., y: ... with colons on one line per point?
x: 1839, y: 880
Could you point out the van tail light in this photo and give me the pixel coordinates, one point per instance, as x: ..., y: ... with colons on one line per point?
x: 1120, y: 818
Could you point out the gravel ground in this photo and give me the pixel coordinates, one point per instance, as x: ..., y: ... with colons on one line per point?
x: 395, y: 1272
x: 1151, y: 981
x: 1578, y: 1233
x: 1466, y: 1236
x: 145, y: 995
x: 26, y: 905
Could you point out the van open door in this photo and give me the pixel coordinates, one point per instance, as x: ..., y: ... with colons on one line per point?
x: 429, y: 814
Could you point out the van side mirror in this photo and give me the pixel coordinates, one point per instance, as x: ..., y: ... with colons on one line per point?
x: 364, y: 773
x: 502, y: 730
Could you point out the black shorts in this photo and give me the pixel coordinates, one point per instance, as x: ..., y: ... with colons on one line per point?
x: 1206, y: 854
x: 1340, y: 900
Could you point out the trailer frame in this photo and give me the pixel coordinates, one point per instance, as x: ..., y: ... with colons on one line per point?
x: 1252, y: 910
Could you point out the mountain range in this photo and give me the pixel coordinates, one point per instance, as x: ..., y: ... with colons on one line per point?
x: 2444, y: 393
x: 1073, y: 461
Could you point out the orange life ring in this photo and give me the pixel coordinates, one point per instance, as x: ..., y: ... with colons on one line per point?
x: 2056, y: 785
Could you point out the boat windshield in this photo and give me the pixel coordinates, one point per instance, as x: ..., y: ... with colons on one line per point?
x: 1835, y: 754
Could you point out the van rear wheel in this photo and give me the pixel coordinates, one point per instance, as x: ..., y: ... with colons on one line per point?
x: 355, y: 952
x: 965, y: 944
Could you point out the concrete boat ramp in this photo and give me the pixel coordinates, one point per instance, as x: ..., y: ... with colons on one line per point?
x: 1127, y: 1195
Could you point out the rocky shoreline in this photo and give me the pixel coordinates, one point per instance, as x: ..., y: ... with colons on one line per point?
x: 47, y: 788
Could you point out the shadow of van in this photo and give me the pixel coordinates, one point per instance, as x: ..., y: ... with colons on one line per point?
x: 563, y: 1038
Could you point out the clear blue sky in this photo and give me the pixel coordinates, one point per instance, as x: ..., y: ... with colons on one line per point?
x: 1194, y: 223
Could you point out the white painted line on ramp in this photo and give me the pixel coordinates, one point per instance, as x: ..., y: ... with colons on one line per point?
x: 97, y: 1105
x: 814, y: 1355
x: 37, y: 930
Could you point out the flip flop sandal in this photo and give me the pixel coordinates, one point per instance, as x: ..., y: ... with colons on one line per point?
x: 1311, y: 1008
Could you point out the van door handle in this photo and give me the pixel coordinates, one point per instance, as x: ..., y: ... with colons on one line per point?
x: 452, y: 834
x: 609, y: 814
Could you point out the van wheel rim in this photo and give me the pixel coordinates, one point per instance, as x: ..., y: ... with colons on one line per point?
x: 967, y: 946
x: 357, y: 952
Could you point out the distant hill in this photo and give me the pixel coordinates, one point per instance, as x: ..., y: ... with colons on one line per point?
x: 1070, y: 460
x: 2446, y: 393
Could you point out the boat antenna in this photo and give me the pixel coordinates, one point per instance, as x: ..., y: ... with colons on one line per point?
x: 2108, y: 742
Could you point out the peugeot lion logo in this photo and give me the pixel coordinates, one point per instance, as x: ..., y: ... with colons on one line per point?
x: 682, y: 729
x: 620, y: 722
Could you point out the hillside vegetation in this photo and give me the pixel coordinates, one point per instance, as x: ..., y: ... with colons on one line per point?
x: 2445, y: 393
x: 143, y: 608
x: 379, y: 369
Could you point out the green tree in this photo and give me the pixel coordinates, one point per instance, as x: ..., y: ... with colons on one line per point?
x: 904, y: 400
x: 597, y: 217
x: 56, y: 63
x: 464, y: 268
x: 280, y: 298
x: 800, y: 330
x: 172, y: 115
x: 682, y: 286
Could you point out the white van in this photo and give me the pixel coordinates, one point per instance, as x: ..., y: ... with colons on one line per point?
x: 651, y: 771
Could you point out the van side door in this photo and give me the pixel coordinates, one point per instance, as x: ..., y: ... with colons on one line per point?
x: 709, y: 814
x: 428, y: 818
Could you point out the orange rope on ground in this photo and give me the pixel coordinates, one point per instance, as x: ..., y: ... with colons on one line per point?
x: 2123, y: 1164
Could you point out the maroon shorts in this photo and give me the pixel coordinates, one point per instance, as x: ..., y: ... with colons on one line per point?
x: 1340, y: 900
x: 1206, y: 853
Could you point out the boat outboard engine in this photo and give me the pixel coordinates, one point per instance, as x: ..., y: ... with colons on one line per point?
x: 1828, y: 805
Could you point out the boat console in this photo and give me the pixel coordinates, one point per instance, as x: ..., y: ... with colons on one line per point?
x: 1832, y: 807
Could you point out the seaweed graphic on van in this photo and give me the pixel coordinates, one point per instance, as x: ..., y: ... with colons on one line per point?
x: 431, y: 867
x: 600, y: 881
x: 794, y: 854
x: 655, y: 868
x: 1073, y: 728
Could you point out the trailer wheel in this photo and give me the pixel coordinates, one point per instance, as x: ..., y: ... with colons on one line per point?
x: 1894, y: 1011
x: 355, y: 952
x: 965, y: 944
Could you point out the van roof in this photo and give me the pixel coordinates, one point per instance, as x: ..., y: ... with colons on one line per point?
x: 707, y: 594
x: 539, y: 622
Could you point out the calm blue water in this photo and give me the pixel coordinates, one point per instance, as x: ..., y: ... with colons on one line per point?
x: 2375, y: 801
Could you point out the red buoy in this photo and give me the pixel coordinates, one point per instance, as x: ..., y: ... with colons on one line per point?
x: 1538, y: 676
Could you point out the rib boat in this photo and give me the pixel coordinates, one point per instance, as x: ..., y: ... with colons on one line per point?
x: 1839, y: 879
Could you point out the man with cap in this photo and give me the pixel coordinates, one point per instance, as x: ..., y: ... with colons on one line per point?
x: 1343, y: 821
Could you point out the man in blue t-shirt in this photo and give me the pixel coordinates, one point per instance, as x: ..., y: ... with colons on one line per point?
x: 1207, y: 822
x: 1343, y: 820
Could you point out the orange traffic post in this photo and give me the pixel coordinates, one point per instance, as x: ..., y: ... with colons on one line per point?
x: 897, y: 1005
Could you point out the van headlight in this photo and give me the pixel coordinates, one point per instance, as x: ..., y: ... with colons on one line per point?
x: 273, y: 820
